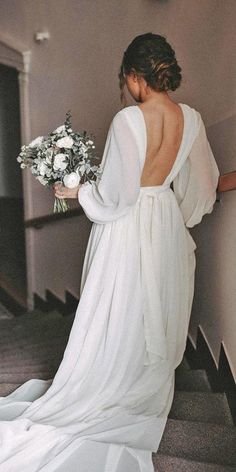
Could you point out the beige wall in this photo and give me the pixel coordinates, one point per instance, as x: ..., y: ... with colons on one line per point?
x: 77, y: 69
x: 214, y: 306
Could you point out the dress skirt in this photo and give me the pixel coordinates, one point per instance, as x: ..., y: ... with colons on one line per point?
x: 107, y: 406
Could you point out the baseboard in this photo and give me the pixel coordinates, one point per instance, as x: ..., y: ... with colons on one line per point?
x: 11, y: 298
x: 52, y: 302
x: 220, y: 377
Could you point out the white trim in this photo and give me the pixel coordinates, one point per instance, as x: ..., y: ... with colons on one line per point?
x: 16, y: 55
x: 213, y: 356
x: 192, y: 341
x: 232, y: 368
x: 209, y: 347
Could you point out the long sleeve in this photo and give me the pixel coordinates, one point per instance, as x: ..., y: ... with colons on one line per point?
x: 117, y: 190
x: 196, y: 183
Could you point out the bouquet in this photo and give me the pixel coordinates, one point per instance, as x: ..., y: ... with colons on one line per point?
x: 61, y: 156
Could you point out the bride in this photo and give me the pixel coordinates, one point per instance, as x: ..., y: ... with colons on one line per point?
x: 106, y: 408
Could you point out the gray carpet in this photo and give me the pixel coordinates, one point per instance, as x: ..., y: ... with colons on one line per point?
x: 199, y: 436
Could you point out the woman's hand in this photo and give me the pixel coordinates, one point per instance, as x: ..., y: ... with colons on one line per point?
x: 61, y: 191
x: 227, y: 182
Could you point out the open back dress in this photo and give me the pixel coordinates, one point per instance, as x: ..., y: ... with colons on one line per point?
x: 106, y: 408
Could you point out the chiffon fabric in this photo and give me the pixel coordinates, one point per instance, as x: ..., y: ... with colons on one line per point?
x: 106, y: 408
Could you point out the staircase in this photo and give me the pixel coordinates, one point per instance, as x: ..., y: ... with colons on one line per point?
x: 199, y: 436
x: 31, y: 346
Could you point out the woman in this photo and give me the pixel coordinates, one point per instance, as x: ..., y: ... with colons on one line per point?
x: 107, y: 406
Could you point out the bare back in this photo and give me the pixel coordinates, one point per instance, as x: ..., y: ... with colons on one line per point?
x: 164, y: 125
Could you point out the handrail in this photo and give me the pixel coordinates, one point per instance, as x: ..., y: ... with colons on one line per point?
x: 40, y: 221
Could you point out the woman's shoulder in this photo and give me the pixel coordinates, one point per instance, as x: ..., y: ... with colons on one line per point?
x: 126, y: 112
x: 194, y: 114
x: 128, y: 123
x: 189, y: 107
x: 129, y: 118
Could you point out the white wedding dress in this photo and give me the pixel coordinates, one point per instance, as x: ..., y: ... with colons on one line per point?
x: 106, y: 408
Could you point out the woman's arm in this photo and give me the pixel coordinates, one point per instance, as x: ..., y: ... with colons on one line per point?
x: 227, y: 182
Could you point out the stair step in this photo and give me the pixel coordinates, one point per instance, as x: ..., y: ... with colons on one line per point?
x: 163, y: 463
x: 24, y: 337
x: 183, y: 366
x: 203, y: 442
x: 37, y: 332
x: 5, y: 313
x: 27, y: 324
x: 36, y: 312
x: 21, y: 377
x: 31, y: 341
x: 7, y: 388
x: 20, y: 322
x: 192, y: 381
x: 25, y: 368
x: 206, y: 407
x: 33, y: 356
x: 33, y: 316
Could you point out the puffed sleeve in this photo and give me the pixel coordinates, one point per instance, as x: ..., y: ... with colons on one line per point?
x: 117, y: 189
x: 196, y: 183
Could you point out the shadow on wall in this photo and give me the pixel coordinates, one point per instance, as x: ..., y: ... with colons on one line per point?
x: 12, y: 235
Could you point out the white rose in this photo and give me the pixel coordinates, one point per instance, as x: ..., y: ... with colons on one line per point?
x: 42, y: 168
x: 71, y: 180
x: 41, y: 179
x: 66, y: 142
x: 59, y: 129
x: 60, y: 162
x: 36, y: 142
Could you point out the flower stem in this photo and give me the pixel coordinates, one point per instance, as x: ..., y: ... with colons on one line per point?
x: 60, y: 205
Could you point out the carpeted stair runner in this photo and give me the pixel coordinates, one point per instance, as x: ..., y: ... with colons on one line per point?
x: 31, y: 346
x: 199, y: 436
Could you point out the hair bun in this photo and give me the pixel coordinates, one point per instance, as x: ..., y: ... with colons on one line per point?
x: 153, y: 58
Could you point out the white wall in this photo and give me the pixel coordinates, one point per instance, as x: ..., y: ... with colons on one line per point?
x: 78, y: 68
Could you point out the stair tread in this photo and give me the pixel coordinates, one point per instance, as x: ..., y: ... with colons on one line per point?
x: 24, y: 376
x: 200, y: 441
x: 183, y: 366
x: 28, y: 319
x: 7, y: 388
x: 192, y: 380
x: 165, y: 463
x: 206, y: 407
x: 199, y: 434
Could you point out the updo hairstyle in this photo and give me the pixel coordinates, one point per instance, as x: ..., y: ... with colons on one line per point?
x: 150, y: 56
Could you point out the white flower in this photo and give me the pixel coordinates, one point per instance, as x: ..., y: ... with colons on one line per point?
x: 36, y: 142
x: 48, y: 156
x: 41, y: 179
x: 59, y: 129
x: 60, y: 162
x: 66, y: 142
x: 71, y: 180
x: 42, y: 168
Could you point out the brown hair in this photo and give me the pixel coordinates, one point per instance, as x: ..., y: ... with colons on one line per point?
x: 150, y: 56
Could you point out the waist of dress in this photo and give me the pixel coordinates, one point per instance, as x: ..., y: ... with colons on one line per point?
x: 155, y: 188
